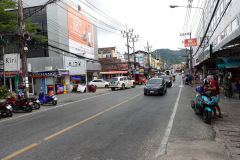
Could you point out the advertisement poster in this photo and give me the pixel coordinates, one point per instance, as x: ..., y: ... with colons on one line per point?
x: 60, y: 88
x: 50, y: 88
x: 76, y: 78
x: 80, y: 33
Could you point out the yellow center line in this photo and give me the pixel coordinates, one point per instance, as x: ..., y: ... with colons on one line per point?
x: 68, y: 128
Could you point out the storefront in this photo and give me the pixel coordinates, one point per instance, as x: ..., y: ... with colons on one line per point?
x: 56, y: 80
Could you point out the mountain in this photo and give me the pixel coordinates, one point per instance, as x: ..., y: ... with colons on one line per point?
x: 171, y: 56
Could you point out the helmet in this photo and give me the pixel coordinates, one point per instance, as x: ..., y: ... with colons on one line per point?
x: 199, y: 89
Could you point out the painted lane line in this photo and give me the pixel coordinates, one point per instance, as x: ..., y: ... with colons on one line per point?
x: 163, y: 146
x: 42, y: 110
x: 68, y: 128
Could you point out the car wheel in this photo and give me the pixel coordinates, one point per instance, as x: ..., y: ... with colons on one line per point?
x: 145, y: 94
x: 106, y: 86
x: 134, y: 84
x: 113, y: 89
x: 123, y: 86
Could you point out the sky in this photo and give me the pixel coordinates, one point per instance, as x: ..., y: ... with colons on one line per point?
x: 153, y: 20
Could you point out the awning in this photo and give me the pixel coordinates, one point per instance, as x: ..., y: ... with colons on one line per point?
x: 115, y: 72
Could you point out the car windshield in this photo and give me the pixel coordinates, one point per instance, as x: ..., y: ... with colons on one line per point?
x: 155, y: 81
x: 164, y: 77
x: 114, y: 79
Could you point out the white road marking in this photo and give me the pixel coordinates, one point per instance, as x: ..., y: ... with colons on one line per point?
x: 27, y: 114
x: 163, y: 146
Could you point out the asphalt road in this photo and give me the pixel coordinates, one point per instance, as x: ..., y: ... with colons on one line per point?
x: 105, y: 125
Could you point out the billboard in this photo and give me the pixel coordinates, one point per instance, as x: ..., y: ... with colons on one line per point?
x: 80, y: 33
x: 190, y: 42
x: 12, y: 62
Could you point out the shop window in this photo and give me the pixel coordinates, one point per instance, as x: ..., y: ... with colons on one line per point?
x: 234, y: 24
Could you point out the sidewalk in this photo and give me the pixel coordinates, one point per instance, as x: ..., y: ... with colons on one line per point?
x: 228, y: 128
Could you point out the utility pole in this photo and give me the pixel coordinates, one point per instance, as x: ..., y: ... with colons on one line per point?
x: 134, y: 39
x: 190, y: 53
x: 127, y: 34
x: 23, y: 50
x: 148, y: 49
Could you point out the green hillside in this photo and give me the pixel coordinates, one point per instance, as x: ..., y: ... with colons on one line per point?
x: 171, y: 56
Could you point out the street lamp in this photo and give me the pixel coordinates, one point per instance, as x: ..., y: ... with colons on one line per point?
x: 189, y: 6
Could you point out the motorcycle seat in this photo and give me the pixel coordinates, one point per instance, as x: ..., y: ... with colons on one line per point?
x: 19, y: 100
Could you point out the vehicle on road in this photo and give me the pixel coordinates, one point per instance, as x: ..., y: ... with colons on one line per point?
x: 155, y: 86
x: 139, y: 78
x: 133, y: 83
x: 120, y: 83
x: 168, y: 80
x: 99, y: 83
x: 204, y: 104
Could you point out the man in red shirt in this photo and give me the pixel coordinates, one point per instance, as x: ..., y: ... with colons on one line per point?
x: 214, y: 88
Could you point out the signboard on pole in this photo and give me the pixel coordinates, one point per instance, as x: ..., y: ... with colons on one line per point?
x: 190, y: 42
x: 11, y: 62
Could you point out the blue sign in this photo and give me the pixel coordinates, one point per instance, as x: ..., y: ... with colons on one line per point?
x: 76, y: 78
x: 134, y: 71
x: 44, y: 86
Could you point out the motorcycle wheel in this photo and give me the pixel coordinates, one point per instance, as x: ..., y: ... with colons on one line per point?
x: 36, y: 105
x: 207, y: 116
x: 54, y: 102
x: 9, y: 113
x: 29, y: 108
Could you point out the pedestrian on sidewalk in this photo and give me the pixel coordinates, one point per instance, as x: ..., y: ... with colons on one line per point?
x: 227, y: 86
x: 183, y: 77
x: 214, y: 89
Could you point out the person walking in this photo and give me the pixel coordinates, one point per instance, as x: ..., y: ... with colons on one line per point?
x: 183, y: 77
x: 200, y: 77
x: 227, y: 86
x: 214, y: 89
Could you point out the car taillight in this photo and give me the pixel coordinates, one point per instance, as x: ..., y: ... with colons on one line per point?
x: 118, y: 83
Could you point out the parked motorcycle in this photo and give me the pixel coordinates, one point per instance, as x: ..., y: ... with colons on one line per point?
x: 47, y: 99
x: 34, y: 100
x: 204, y: 104
x: 74, y: 90
x: 5, y: 109
x: 92, y: 88
x: 21, y: 104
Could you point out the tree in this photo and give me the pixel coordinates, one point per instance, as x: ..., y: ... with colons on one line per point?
x: 8, y: 20
x: 9, y: 25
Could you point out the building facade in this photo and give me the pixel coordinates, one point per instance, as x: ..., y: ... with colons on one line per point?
x: 71, y: 54
x: 219, y: 51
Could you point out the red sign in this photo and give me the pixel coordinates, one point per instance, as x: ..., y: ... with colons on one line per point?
x: 190, y: 42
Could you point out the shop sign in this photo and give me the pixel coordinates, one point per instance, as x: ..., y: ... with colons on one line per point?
x: 205, y: 54
x: 60, y: 88
x: 75, y: 66
x: 63, y: 73
x: 190, y: 42
x: 76, y: 78
x: 11, y: 62
x: 44, y: 85
x: 16, y: 83
x: 228, y: 62
x: 45, y: 74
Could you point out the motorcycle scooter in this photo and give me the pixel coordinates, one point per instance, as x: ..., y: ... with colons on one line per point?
x: 5, y: 109
x: 20, y: 104
x: 204, y: 104
x: 47, y: 99
x: 34, y: 100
